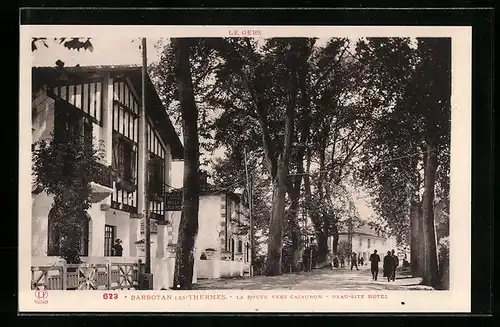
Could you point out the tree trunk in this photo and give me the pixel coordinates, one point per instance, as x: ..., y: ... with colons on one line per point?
x: 294, y: 226
x: 431, y: 273
x: 305, y: 101
x: 275, y: 243
x: 414, y: 239
x: 188, y: 227
x: 335, y: 241
x: 322, y: 257
x: 421, y: 243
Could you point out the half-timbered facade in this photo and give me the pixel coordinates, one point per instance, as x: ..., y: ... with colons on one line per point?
x: 104, y: 102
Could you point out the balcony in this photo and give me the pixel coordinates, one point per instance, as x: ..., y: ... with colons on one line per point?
x: 102, y: 183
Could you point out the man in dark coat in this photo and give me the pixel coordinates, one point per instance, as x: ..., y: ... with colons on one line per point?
x: 396, y: 264
x: 388, y: 266
x: 374, y: 259
x: 117, y: 248
x: 354, y: 261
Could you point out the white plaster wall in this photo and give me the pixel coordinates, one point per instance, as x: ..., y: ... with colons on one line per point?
x: 209, y: 269
x: 154, y: 244
x: 231, y: 268
x: 96, y: 230
x: 41, y: 206
x: 161, y: 273
x: 208, y: 223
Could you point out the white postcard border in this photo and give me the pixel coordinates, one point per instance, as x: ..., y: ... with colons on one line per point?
x: 457, y: 299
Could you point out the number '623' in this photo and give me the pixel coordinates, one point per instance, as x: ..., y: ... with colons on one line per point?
x: 110, y: 296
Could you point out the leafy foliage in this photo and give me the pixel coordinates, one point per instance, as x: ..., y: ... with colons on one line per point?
x: 444, y: 262
x: 229, y: 173
x: 65, y: 168
x: 73, y: 43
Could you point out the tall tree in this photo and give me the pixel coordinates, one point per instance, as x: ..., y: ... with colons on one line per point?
x: 342, y: 109
x: 182, y: 78
x: 188, y: 227
x: 268, y: 75
x: 301, y: 139
x: 434, y: 96
x: 412, y: 137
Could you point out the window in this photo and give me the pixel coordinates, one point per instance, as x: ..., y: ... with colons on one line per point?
x: 156, y: 175
x: 240, y: 246
x: 232, y: 249
x: 109, y: 238
x: 54, y: 237
x: 247, y: 252
x: 124, y: 158
x: 369, y: 243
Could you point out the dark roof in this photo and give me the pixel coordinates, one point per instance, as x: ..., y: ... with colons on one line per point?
x: 363, y: 229
x: 155, y: 109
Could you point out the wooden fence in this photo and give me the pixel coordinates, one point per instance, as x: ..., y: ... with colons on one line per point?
x: 122, y: 276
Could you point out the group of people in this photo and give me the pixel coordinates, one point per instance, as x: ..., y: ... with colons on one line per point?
x: 340, y: 261
x: 390, y: 264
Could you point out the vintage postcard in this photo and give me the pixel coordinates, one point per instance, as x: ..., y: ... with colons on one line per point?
x: 245, y: 169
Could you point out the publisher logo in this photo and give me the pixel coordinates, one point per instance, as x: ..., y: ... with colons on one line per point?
x: 41, y: 295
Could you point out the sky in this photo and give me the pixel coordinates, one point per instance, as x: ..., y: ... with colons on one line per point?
x: 116, y: 51
x: 126, y: 51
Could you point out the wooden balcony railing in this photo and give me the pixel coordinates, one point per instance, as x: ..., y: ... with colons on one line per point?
x: 104, y: 176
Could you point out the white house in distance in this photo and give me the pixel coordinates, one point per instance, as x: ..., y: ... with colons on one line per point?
x: 364, y: 240
x: 222, y: 247
x: 223, y: 241
x: 107, y: 99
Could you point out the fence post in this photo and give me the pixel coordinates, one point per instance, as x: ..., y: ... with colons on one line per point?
x: 64, y: 276
x: 135, y: 276
x: 108, y: 267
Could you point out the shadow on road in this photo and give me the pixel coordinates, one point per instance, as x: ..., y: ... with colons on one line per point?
x: 319, y: 279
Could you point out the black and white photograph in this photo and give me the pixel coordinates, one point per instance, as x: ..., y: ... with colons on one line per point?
x: 252, y: 161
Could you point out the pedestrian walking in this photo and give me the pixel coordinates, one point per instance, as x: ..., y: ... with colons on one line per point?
x: 388, y: 266
x: 354, y: 261
x: 342, y: 261
x: 374, y: 259
x: 361, y: 261
x: 396, y: 264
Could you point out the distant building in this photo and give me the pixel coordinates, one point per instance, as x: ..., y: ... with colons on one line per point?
x: 364, y: 240
x: 223, y: 235
x: 222, y: 246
